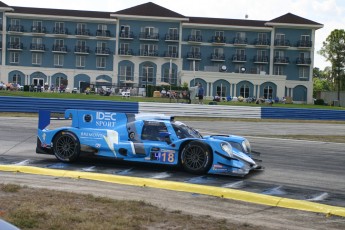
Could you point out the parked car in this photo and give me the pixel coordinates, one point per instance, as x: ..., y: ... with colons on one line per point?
x: 153, y: 138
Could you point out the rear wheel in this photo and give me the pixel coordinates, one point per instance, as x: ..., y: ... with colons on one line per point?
x: 66, y: 147
x: 196, y: 157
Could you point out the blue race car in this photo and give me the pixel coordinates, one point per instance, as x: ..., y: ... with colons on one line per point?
x: 150, y: 138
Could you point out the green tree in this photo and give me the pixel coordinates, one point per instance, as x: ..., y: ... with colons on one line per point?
x: 333, y: 50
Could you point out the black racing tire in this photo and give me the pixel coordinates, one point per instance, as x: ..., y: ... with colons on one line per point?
x: 66, y: 147
x: 196, y: 157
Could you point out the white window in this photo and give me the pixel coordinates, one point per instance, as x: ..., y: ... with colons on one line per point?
x: 268, y: 92
x: 37, y: 26
x: 278, y: 70
x: 100, y: 62
x: 218, y: 52
x: 102, y: 27
x: 147, y: 74
x: 14, y: 57
x: 303, y: 72
x: 36, y: 58
x: 59, y: 27
x: 172, y: 50
x: 280, y: 37
x: 81, y: 26
x: 262, y: 36
x: 196, y: 65
x: 219, y: 33
x: 80, y: 61
x: 58, y: 60
x: 59, y: 42
x: 279, y: 54
x: 125, y: 73
x: 15, y: 22
x: 241, y: 35
x: 196, y: 32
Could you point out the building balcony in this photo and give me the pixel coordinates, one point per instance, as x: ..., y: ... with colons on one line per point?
x: 16, y: 46
x: 303, y: 44
x: 282, y: 43
x: 168, y: 54
x: 38, y: 30
x: 126, y: 52
x: 217, y: 57
x: 260, y: 59
x: 60, y: 31
x: 81, y: 50
x: 37, y: 47
x: 303, y: 61
x: 59, y: 49
x: 262, y: 42
x: 102, y: 51
x: 171, y: 37
x: 240, y: 41
x: 15, y: 29
x: 103, y: 34
x: 239, y: 58
x: 127, y: 35
x: 148, y: 53
x: 149, y: 36
x: 194, y: 56
x: 194, y: 39
x: 82, y: 33
x: 218, y: 40
x: 281, y: 60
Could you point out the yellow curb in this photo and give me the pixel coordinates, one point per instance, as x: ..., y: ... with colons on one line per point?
x: 226, y: 193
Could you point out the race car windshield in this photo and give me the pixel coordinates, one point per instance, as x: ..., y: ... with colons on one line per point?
x: 183, y: 131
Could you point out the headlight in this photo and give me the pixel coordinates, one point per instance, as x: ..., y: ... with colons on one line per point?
x: 227, y: 148
x: 246, y: 146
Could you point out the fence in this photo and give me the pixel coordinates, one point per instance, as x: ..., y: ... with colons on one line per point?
x: 32, y: 105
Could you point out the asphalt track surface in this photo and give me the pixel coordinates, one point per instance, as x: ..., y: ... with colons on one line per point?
x: 299, y: 170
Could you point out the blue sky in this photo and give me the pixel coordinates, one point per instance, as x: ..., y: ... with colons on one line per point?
x: 330, y: 13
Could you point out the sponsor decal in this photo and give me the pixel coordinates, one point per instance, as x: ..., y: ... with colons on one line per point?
x: 44, y: 135
x: 98, y: 145
x: 106, y: 119
x: 218, y: 167
x: 91, y: 135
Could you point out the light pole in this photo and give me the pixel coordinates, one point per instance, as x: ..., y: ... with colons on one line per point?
x: 147, y: 80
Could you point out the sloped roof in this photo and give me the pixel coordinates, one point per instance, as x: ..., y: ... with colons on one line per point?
x: 290, y: 18
x: 59, y: 12
x: 224, y: 21
x: 3, y: 4
x: 150, y: 9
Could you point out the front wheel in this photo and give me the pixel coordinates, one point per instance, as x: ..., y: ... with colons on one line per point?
x: 66, y: 147
x: 196, y: 157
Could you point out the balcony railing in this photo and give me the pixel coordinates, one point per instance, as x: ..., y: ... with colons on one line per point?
x: 262, y: 42
x: 217, y: 57
x: 260, y: 59
x: 128, y: 52
x: 15, y: 46
x: 82, y: 32
x: 195, y: 38
x: 282, y: 42
x: 81, y: 49
x: 240, y: 41
x: 103, y: 33
x: 37, y: 47
x: 149, y: 36
x: 102, y: 51
x: 169, y: 54
x: 172, y: 37
x: 38, y: 29
x: 148, y: 53
x: 218, y: 39
x: 281, y: 60
x: 127, y: 35
x: 59, y: 49
x: 60, y: 31
x: 194, y: 56
x: 303, y: 61
x: 239, y: 58
x: 16, y: 28
x: 304, y: 44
